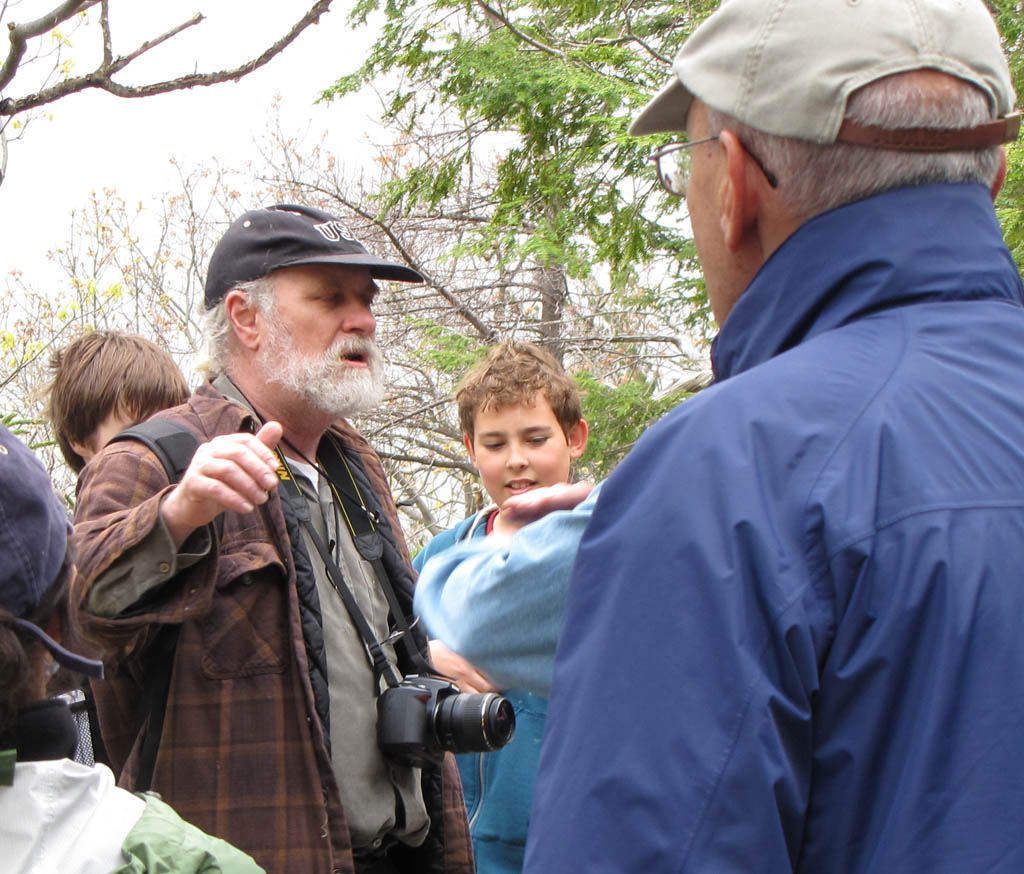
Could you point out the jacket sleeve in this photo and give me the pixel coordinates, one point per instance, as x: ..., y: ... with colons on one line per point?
x: 117, y: 520
x: 679, y: 728
x: 498, y: 602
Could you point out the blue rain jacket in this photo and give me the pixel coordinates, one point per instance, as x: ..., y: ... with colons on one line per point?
x: 794, y: 635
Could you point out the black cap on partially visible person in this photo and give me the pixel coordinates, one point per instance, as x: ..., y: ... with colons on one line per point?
x: 33, y: 544
x: 285, y: 235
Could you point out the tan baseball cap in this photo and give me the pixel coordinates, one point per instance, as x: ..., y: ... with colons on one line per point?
x: 788, y: 67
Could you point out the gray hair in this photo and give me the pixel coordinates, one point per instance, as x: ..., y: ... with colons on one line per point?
x: 218, y: 336
x: 814, y: 178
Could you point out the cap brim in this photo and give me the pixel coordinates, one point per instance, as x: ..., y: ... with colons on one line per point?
x: 379, y: 269
x: 73, y: 661
x: 666, y: 112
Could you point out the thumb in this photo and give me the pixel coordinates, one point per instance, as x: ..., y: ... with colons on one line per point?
x: 270, y: 434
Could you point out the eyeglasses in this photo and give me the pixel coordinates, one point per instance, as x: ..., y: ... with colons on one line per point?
x: 674, y: 161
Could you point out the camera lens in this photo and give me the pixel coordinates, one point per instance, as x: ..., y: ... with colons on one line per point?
x: 474, y: 723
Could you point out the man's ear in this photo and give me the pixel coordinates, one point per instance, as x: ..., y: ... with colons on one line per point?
x: 997, y: 183
x: 739, y: 195
x: 577, y: 438
x: 242, y: 316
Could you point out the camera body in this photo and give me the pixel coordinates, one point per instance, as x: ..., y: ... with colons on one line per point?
x: 423, y: 717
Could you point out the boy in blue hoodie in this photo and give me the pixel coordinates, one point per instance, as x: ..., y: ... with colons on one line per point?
x: 523, y: 426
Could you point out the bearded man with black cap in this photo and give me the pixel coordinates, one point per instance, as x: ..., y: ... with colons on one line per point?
x: 57, y: 814
x: 269, y: 722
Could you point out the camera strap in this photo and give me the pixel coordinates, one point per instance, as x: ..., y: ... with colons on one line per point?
x: 362, y: 524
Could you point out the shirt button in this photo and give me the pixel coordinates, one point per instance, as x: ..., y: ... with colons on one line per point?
x: 164, y: 567
x: 377, y: 842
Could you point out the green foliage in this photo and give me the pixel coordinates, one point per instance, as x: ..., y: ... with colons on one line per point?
x: 564, y: 77
x: 1010, y: 203
x: 445, y: 350
x: 617, y: 416
x: 23, y: 428
x: 560, y: 82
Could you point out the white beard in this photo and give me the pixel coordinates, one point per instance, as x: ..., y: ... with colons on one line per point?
x: 325, y: 381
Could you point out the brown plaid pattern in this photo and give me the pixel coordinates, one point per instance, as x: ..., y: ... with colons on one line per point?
x: 243, y: 754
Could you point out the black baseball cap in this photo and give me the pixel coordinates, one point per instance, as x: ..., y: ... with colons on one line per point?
x: 286, y: 235
x: 33, y: 543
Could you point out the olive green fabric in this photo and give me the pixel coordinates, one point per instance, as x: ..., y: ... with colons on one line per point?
x: 161, y: 841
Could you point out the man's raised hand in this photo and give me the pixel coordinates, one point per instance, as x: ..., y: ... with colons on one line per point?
x: 232, y: 472
x: 529, y: 506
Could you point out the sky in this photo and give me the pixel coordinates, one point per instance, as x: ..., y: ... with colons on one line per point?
x: 95, y: 140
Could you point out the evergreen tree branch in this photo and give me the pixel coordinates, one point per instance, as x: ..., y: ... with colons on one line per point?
x: 495, y: 15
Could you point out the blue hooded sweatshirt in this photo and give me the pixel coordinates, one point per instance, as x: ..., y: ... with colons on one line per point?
x: 498, y: 785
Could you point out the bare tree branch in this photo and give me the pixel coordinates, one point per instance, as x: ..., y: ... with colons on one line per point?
x: 108, y: 43
x: 3, y: 155
x: 414, y: 505
x: 486, y: 332
x: 20, y: 34
x: 101, y: 77
x: 427, y: 462
x: 115, y: 66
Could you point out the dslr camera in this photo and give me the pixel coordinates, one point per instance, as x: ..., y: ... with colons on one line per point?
x: 423, y: 717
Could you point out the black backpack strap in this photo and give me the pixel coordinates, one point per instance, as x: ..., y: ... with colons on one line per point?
x: 169, y: 441
x: 174, y: 445
x: 154, y: 700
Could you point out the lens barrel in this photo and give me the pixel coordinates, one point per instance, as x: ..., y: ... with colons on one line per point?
x: 424, y: 716
x: 474, y: 723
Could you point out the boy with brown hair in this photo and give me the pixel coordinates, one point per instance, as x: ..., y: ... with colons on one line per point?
x: 523, y: 426
x: 103, y: 382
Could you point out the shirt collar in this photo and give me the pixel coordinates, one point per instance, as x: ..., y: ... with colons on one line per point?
x: 901, y: 247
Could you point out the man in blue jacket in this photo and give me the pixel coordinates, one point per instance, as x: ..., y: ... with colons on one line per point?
x: 792, y: 639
